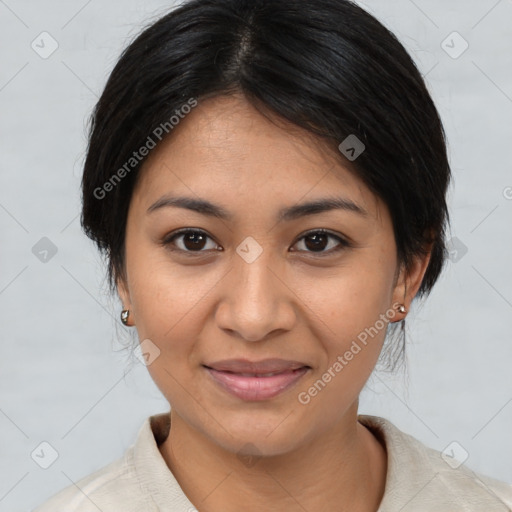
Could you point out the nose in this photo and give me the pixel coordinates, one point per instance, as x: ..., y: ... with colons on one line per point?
x: 256, y: 301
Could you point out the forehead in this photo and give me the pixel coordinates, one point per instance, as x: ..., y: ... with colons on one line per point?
x: 228, y: 149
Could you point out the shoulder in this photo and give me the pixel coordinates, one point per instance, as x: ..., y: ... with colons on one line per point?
x: 421, y: 478
x: 138, y: 481
x: 113, y: 487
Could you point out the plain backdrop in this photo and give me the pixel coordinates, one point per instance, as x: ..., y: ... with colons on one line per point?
x: 64, y: 376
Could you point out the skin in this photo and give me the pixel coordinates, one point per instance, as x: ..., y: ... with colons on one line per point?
x: 293, y: 302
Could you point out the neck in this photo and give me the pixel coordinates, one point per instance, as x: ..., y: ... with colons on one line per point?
x: 344, y: 469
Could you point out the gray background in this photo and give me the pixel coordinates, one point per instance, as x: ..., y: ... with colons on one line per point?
x: 64, y: 375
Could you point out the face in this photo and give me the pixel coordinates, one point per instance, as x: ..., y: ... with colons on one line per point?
x: 255, y: 275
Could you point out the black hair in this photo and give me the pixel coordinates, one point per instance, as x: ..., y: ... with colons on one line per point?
x: 326, y: 66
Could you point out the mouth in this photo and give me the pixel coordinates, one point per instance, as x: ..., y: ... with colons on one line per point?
x: 256, y: 381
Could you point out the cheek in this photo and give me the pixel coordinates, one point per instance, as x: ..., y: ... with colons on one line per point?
x: 164, y: 294
x: 354, y: 298
x: 171, y: 311
x: 350, y: 309
x: 351, y: 326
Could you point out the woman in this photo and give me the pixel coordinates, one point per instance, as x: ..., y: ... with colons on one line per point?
x: 268, y: 181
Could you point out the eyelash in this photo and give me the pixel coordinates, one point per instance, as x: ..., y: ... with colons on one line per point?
x: 169, y: 240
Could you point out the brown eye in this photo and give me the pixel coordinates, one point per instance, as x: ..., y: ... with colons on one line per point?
x: 190, y: 240
x: 320, y: 240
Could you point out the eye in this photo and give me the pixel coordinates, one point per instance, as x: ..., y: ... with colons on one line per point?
x: 317, y: 241
x: 189, y: 240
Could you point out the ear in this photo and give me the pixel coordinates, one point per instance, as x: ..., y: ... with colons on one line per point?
x: 409, y: 281
x: 124, y: 294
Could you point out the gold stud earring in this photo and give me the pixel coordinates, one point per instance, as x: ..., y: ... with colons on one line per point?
x: 401, y: 308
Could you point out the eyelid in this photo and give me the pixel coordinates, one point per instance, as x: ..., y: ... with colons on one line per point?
x: 344, y: 243
x: 324, y: 231
x: 168, y: 239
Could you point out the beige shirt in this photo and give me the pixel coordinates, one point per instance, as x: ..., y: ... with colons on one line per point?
x: 418, y: 479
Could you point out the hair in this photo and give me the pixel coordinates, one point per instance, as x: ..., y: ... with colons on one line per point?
x: 326, y: 66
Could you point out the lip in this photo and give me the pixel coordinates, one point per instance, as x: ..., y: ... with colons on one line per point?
x: 256, y: 381
x: 263, y: 366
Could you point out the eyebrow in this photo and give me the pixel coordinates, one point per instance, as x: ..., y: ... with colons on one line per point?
x: 209, y: 209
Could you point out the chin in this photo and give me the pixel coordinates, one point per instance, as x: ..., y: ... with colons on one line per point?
x: 258, y: 439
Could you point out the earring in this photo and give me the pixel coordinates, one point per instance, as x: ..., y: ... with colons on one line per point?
x: 124, y: 316
x: 401, y: 308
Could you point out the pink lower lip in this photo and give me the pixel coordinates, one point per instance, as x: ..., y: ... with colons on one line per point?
x: 256, y: 388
